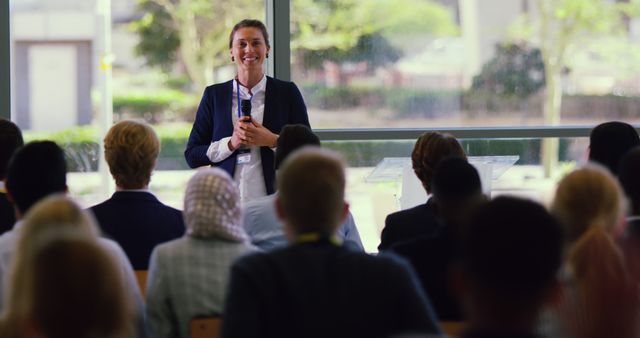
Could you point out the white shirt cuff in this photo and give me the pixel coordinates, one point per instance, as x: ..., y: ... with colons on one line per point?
x: 219, y: 150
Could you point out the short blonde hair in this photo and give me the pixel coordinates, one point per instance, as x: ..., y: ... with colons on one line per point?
x: 131, y: 149
x: 429, y: 150
x: 311, y: 186
x: 588, y: 197
x: 60, y: 271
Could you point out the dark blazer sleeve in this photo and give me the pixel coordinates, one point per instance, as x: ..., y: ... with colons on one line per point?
x: 244, y: 312
x: 201, y: 133
x: 388, y: 236
x: 413, y: 306
x: 283, y: 105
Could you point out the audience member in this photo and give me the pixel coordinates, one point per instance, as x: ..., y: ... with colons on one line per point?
x: 510, y: 253
x: 10, y: 141
x: 27, y: 184
x: 133, y: 216
x: 609, y: 141
x: 315, y: 287
x: 188, y: 277
x: 260, y: 220
x: 456, y: 192
x: 629, y: 176
x: 598, y: 298
x: 66, y: 286
x: 429, y: 150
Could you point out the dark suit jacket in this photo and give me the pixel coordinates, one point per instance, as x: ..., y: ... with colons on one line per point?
x: 431, y: 258
x: 7, y: 214
x: 409, y: 224
x: 323, y: 290
x: 283, y: 105
x: 138, y: 222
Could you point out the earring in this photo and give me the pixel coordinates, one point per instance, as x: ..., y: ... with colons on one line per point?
x: 233, y: 59
x: 266, y: 56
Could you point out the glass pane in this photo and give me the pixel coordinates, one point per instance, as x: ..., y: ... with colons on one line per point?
x: 450, y: 63
x: 164, y: 53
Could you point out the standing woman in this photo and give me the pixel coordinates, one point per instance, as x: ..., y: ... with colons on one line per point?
x: 221, y: 133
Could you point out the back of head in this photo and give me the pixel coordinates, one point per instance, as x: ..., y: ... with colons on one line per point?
x: 291, y: 138
x: 74, y: 289
x: 429, y: 150
x: 609, y: 141
x: 212, y: 206
x: 587, y: 197
x: 35, y: 171
x: 455, y: 179
x: 52, y: 217
x: 311, y: 187
x: 511, y: 250
x: 456, y: 189
x: 629, y: 176
x: 131, y: 149
x: 10, y: 141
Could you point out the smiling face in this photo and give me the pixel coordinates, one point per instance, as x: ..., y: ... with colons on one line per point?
x: 249, y: 49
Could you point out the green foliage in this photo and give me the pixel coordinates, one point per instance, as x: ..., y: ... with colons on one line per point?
x: 158, y: 39
x: 194, y: 33
x: 352, y: 31
x: 515, y: 70
x: 168, y: 104
x: 405, y: 102
x: 81, y: 145
x: 372, y: 48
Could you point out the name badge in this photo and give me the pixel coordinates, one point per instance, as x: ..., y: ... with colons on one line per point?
x: 244, y: 158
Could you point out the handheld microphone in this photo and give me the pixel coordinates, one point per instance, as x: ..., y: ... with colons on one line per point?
x: 245, y: 107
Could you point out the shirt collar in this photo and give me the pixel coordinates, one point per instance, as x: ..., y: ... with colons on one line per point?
x: 259, y: 87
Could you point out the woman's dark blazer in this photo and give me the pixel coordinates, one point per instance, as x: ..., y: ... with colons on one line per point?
x: 283, y: 105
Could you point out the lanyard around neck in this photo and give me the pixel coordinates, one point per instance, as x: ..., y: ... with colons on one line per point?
x: 238, y: 97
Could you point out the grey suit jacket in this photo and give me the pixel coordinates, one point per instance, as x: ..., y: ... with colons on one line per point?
x: 188, y: 278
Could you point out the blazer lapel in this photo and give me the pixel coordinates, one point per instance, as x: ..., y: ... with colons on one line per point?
x: 270, y: 114
x: 224, y: 102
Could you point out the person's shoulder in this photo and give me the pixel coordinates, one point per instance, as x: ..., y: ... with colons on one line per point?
x: 113, y: 248
x: 8, y: 241
x: 280, y: 84
x: 260, y: 203
x: 421, y: 211
x: 219, y: 86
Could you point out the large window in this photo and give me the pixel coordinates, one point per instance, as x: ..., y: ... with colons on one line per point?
x: 467, y: 63
x: 524, y: 78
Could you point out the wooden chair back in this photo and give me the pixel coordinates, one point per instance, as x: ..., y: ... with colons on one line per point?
x: 141, y: 277
x: 453, y: 329
x: 205, y: 327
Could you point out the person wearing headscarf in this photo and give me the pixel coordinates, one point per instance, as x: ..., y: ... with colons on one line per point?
x: 188, y: 276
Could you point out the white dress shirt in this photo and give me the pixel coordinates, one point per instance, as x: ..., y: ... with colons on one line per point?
x: 248, y: 176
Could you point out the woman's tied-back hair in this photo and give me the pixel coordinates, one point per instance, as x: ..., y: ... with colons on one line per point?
x: 131, y: 149
x: 250, y: 23
x: 62, y: 281
x: 212, y: 206
x: 429, y: 150
x: 588, y: 197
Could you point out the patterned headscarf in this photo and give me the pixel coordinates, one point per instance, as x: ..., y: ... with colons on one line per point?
x: 212, y: 206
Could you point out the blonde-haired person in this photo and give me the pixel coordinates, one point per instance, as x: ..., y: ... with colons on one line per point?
x: 65, y: 281
x: 133, y: 216
x: 315, y: 286
x: 188, y: 276
x: 598, y: 298
x: 421, y: 221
